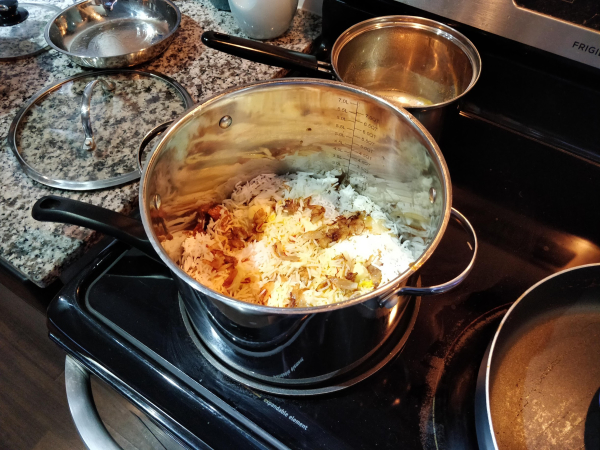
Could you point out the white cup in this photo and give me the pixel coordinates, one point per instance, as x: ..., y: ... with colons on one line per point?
x: 263, y: 19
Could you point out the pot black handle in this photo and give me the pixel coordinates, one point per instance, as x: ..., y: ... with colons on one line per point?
x: 266, y: 53
x: 53, y: 208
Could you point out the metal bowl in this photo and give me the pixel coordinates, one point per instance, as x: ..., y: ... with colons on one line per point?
x: 113, y: 34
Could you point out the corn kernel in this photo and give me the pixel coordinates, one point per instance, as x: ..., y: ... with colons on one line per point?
x: 365, y: 284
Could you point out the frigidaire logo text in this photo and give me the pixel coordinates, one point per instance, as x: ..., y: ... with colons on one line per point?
x: 594, y: 50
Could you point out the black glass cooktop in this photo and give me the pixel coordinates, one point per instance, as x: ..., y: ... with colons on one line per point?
x: 123, y: 318
x: 523, y: 157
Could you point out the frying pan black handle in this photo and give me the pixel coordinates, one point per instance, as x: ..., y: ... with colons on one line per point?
x: 64, y: 210
x: 264, y: 53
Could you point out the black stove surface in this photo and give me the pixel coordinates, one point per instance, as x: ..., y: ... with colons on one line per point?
x: 123, y: 318
x: 529, y: 187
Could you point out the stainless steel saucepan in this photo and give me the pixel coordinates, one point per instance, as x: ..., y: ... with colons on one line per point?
x: 416, y: 63
x: 113, y: 33
x: 283, y: 126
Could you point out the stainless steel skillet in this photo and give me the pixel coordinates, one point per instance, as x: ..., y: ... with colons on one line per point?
x: 539, y: 382
x: 113, y: 33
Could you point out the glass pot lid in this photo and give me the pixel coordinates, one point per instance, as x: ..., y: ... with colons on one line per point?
x: 84, y: 132
x: 22, y: 28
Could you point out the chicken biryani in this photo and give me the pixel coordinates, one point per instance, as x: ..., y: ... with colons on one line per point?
x: 294, y: 240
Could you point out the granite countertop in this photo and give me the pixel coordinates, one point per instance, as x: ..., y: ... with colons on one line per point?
x: 41, y: 250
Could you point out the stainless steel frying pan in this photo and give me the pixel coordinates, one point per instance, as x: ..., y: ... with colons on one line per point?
x: 539, y: 382
x: 109, y: 34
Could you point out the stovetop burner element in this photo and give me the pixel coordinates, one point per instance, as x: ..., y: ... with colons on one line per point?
x: 379, y: 359
x: 453, y: 416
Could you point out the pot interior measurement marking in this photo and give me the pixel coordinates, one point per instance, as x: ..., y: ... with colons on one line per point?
x: 355, y: 135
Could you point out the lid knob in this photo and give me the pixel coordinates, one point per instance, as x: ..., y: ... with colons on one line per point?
x: 11, y: 14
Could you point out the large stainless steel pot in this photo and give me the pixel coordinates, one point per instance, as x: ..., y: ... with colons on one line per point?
x: 285, y: 126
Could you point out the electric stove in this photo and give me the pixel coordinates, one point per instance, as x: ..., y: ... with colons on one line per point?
x: 523, y: 155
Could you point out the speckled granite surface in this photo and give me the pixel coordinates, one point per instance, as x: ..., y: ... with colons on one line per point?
x: 41, y: 250
x: 50, y: 135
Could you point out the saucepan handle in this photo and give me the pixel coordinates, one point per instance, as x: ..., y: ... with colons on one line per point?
x: 266, y: 53
x: 53, y: 208
x: 445, y: 287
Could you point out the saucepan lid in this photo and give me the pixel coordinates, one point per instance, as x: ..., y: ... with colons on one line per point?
x: 83, y: 133
x: 22, y: 28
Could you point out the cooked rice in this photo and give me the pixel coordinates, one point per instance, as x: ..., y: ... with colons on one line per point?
x: 294, y: 241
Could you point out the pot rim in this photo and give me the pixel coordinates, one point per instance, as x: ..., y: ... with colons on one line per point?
x: 383, y: 291
x: 457, y: 38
